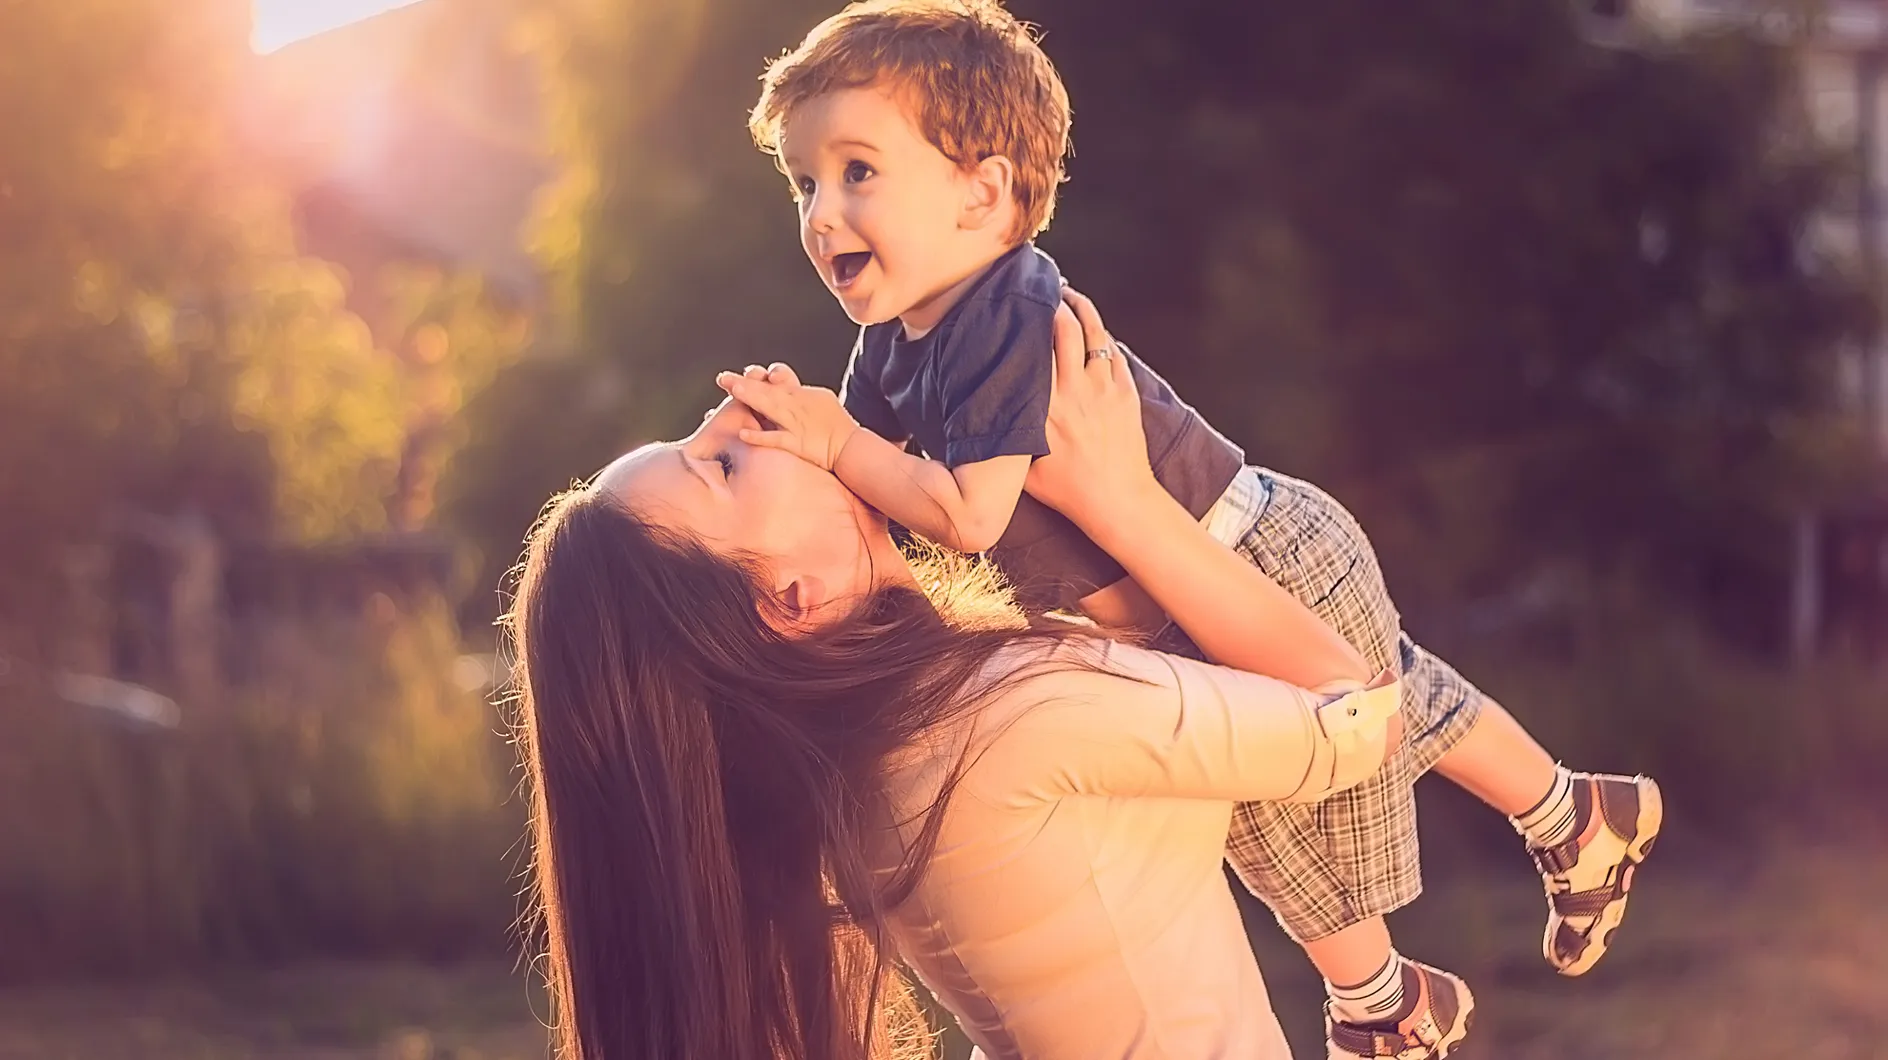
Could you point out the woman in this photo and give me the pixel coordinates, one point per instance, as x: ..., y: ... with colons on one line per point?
x: 765, y: 751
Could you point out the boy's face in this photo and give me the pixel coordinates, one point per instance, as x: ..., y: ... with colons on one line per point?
x: 879, y: 204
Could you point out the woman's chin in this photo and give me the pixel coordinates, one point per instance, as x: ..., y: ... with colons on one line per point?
x: 873, y: 522
x: 868, y: 517
x: 875, y: 531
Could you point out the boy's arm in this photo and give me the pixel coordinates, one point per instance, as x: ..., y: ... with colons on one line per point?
x: 966, y: 508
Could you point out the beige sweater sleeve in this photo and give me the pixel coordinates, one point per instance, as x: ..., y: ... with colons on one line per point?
x: 1159, y: 725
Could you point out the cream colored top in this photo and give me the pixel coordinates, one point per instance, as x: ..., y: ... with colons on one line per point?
x: 1076, y: 907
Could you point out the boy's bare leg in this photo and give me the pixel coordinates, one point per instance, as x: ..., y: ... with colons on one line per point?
x: 1353, y: 954
x: 1499, y: 763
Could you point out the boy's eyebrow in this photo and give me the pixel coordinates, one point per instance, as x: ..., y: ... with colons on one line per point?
x: 792, y: 161
x: 790, y: 157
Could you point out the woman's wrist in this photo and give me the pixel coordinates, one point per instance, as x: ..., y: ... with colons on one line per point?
x: 1115, y: 514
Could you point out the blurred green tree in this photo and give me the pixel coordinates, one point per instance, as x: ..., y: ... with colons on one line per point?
x: 163, y: 343
x: 1524, y: 300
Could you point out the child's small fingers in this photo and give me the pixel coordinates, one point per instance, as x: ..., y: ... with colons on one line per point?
x: 767, y: 439
x: 756, y: 394
x: 740, y: 387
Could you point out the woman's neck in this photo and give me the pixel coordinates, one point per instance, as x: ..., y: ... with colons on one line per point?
x: 890, y: 568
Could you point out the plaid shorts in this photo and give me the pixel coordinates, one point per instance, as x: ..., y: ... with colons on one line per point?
x: 1330, y: 865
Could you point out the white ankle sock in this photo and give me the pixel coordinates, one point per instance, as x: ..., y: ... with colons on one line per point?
x: 1552, y: 820
x: 1378, y: 999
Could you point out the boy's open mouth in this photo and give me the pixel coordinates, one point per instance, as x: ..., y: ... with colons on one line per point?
x: 846, y: 267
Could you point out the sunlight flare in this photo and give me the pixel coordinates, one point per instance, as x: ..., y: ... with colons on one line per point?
x: 282, y: 22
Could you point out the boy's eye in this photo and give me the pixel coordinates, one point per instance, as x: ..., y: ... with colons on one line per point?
x: 857, y: 172
x: 802, y: 188
x: 726, y: 462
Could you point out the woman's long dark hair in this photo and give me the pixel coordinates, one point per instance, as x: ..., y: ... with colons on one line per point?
x: 706, y: 792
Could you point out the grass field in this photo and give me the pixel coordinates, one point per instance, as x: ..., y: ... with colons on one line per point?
x: 1775, y: 953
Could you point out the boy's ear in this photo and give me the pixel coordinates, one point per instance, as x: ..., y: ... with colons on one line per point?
x: 987, y: 192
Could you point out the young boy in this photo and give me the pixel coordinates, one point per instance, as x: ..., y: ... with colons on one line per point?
x: 924, y: 140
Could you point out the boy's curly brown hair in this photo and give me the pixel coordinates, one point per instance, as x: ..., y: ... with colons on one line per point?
x: 975, y: 79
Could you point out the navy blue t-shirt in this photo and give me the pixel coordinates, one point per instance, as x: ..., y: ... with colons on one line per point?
x: 976, y: 387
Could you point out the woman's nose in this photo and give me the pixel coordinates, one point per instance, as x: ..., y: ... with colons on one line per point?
x: 727, y: 419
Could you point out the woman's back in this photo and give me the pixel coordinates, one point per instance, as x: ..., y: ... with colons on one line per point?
x: 1076, y: 906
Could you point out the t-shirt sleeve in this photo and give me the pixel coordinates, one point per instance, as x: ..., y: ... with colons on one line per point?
x: 1153, y: 725
x: 993, y: 379
x: 862, y: 396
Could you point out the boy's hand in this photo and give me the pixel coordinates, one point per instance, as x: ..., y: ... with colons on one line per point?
x: 808, y: 421
x: 778, y: 372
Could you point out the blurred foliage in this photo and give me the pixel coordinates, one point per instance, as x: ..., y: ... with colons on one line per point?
x: 323, y: 399
x: 451, y: 339
x: 164, y: 345
x: 356, y: 802
x: 126, y: 224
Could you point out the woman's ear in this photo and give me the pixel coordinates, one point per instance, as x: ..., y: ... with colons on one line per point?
x: 987, y: 187
x: 803, y: 596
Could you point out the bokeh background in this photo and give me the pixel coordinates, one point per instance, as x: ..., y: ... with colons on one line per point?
x: 305, y: 309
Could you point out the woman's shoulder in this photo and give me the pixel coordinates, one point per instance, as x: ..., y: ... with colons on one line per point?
x: 1032, y: 673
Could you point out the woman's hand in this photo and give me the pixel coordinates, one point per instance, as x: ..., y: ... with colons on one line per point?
x: 1097, y: 465
x: 807, y: 421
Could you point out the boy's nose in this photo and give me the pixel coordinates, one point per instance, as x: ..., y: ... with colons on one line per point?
x: 822, y: 214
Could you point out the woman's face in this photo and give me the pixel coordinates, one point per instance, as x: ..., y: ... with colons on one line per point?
x: 820, y: 541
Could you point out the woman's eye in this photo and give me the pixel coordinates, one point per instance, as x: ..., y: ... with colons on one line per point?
x: 802, y: 188
x: 857, y: 172
x: 726, y: 462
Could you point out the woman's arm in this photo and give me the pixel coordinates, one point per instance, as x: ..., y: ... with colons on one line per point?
x: 1147, y: 724
x: 1098, y: 476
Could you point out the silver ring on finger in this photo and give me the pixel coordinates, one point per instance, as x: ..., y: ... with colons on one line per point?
x: 1102, y: 354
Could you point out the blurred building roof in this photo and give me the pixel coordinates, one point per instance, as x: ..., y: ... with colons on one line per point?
x: 415, y: 134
